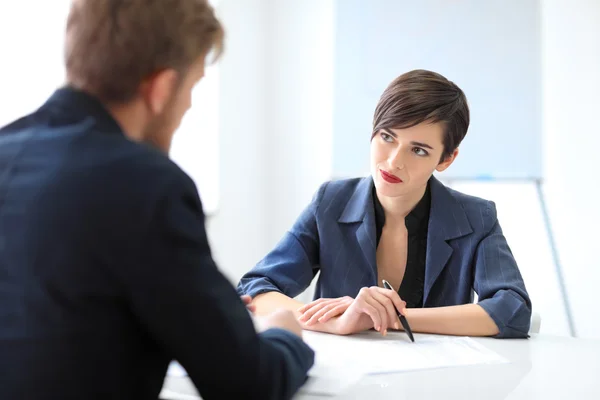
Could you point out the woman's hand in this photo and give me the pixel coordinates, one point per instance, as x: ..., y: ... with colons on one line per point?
x: 373, y: 307
x: 322, y: 310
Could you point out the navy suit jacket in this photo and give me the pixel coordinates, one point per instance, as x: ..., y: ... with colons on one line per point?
x: 106, y: 273
x: 466, y: 252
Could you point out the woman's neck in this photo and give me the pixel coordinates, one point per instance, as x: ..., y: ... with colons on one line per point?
x: 397, y: 208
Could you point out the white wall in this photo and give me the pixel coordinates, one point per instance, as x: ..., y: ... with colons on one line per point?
x: 195, y: 144
x: 31, y: 44
x: 571, y: 76
x: 236, y: 230
x: 300, y: 116
x: 275, y: 119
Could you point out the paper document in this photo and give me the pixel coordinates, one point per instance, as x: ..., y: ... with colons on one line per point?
x: 167, y: 394
x: 175, y: 369
x: 341, y: 361
x: 325, y: 380
x: 321, y: 381
x: 375, y: 354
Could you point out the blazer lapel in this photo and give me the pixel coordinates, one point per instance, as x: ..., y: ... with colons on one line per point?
x: 447, y: 221
x: 359, y: 209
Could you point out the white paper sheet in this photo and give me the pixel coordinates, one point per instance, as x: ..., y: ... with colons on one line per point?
x: 176, y: 370
x: 341, y: 361
x: 168, y: 394
x: 375, y: 354
x: 322, y: 381
x: 327, y: 380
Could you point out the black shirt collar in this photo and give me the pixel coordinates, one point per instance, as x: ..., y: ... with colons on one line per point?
x: 415, y: 220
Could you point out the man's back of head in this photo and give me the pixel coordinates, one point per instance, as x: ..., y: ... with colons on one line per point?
x: 141, y: 59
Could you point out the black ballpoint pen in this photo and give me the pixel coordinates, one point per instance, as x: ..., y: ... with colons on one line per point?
x: 403, y: 320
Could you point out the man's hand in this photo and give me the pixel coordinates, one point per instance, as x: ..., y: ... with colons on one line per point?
x: 247, y: 300
x: 373, y: 307
x: 322, y: 310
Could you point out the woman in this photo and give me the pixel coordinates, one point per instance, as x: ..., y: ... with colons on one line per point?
x: 434, y: 245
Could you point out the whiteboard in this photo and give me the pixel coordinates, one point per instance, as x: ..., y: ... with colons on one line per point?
x: 491, y: 49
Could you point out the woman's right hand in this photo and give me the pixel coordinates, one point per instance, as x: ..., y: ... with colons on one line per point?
x: 374, y: 307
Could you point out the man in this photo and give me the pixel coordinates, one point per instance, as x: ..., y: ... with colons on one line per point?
x: 105, y: 269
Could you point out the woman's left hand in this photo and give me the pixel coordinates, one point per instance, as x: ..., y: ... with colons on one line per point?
x: 322, y: 310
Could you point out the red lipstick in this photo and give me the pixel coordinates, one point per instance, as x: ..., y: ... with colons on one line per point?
x: 389, y: 177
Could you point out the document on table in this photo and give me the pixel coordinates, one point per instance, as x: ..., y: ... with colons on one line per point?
x: 321, y: 381
x: 176, y: 370
x: 326, y: 380
x: 375, y: 354
x: 341, y: 361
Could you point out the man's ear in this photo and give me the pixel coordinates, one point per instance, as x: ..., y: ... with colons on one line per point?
x: 447, y: 161
x: 158, y: 90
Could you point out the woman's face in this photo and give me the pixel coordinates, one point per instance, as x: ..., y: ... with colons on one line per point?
x: 403, y: 160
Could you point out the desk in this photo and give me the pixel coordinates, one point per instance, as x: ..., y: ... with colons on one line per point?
x: 543, y: 367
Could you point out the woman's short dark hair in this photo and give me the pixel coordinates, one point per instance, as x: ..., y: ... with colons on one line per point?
x: 424, y: 96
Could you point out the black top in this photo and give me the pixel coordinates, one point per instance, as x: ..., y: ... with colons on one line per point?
x: 106, y: 273
x: 411, y: 289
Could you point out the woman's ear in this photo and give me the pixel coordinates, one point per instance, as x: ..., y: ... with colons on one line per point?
x: 447, y: 161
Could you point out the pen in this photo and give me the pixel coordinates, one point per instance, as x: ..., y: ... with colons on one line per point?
x: 403, y: 320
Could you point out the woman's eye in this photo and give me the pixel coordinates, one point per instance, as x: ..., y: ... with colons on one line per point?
x: 386, y: 137
x: 420, y: 152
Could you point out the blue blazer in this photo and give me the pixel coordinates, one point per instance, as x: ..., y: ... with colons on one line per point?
x: 466, y: 253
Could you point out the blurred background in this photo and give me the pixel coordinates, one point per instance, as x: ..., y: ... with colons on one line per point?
x: 290, y: 105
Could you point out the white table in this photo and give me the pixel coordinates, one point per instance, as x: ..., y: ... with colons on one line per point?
x: 542, y: 367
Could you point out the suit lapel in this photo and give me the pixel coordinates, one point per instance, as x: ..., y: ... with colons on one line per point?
x: 447, y: 221
x: 360, y: 210
x: 437, y: 255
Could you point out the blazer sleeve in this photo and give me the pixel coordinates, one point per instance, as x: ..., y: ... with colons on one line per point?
x: 291, y: 266
x: 499, y: 284
x: 187, y: 306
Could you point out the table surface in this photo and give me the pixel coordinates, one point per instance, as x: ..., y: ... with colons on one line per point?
x: 542, y: 367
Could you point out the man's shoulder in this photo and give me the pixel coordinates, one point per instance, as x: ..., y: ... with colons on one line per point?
x: 144, y: 170
x: 144, y: 161
x: 77, y: 155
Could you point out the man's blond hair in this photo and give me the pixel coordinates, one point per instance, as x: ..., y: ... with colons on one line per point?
x: 113, y: 45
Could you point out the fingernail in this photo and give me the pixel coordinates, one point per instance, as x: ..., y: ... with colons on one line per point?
x: 397, y: 325
x: 384, y: 332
